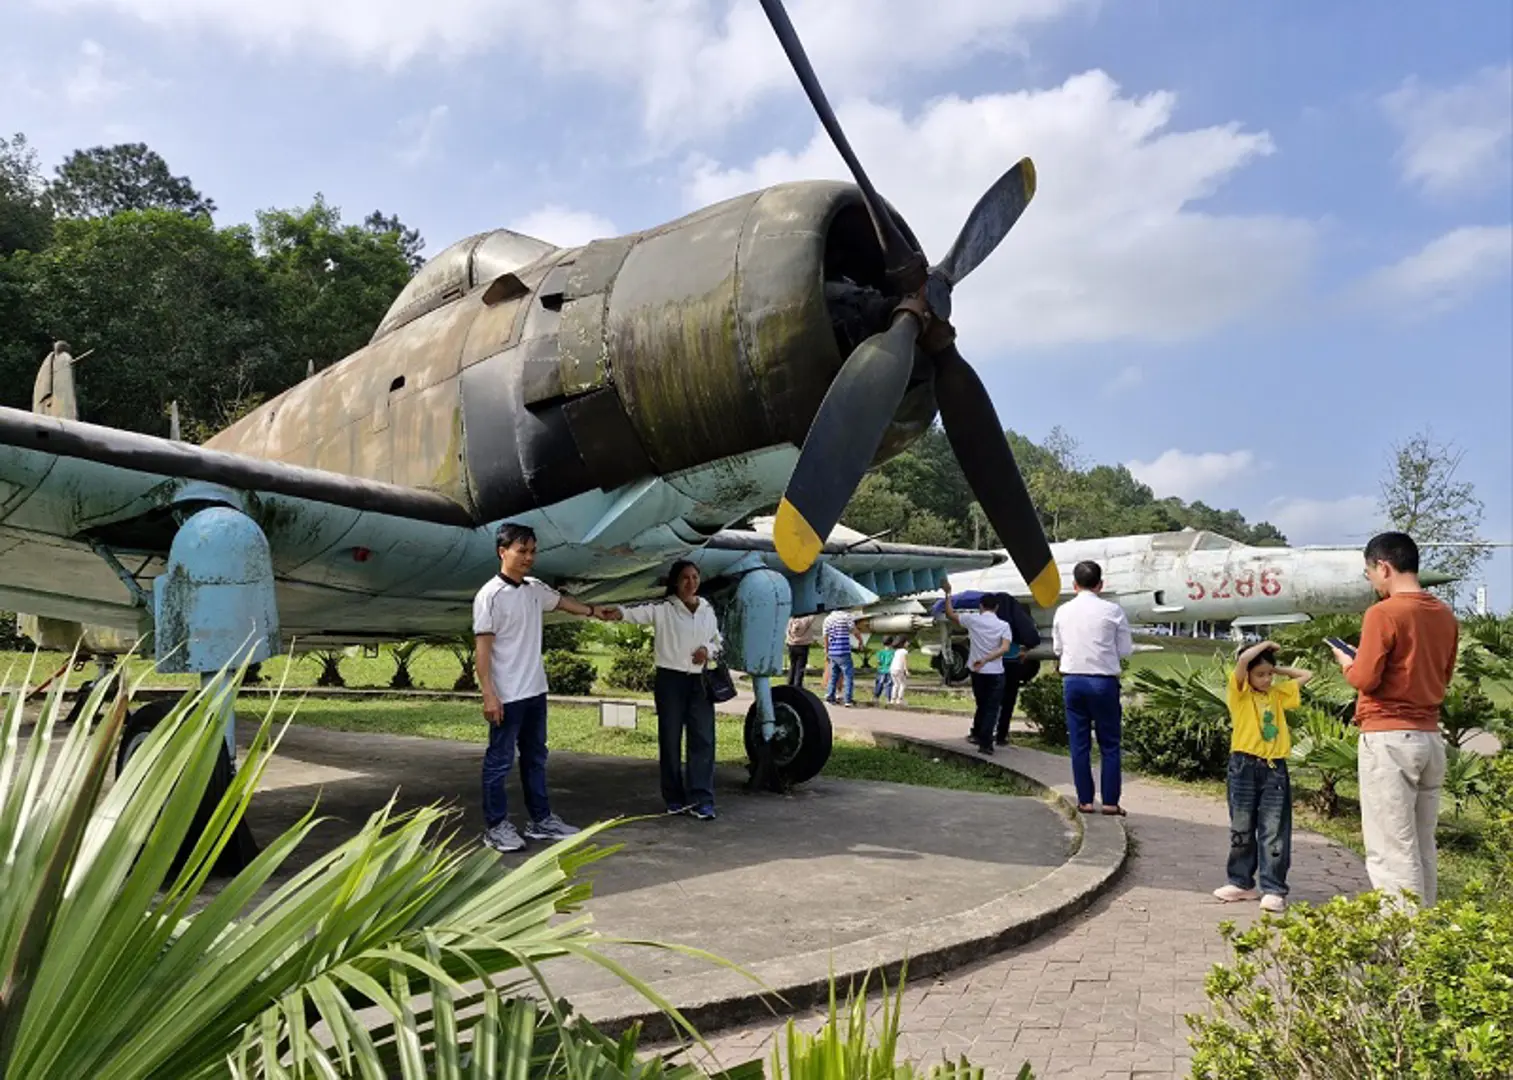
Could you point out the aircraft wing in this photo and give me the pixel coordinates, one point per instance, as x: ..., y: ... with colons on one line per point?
x: 86, y: 521
x: 880, y: 569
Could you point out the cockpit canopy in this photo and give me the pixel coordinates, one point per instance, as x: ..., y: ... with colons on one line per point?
x: 1193, y: 540
x: 455, y: 271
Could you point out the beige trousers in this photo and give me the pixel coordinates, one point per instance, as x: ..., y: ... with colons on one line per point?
x: 1401, y: 773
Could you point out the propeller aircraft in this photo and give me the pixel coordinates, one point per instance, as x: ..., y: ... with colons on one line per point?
x: 629, y: 399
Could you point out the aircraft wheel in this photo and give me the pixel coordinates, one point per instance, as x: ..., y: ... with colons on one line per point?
x: 241, y: 849
x: 956, y: 659
x: 804, y: 736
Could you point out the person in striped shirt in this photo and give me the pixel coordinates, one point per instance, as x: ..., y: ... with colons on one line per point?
x: 840, y: 638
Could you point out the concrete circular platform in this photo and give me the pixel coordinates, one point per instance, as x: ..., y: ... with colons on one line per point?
x: 840, y: 875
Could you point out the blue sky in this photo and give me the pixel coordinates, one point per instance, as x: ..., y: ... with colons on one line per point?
x: 1270, y: 240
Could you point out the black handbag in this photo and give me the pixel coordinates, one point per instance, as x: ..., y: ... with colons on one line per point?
x: 718, y: 685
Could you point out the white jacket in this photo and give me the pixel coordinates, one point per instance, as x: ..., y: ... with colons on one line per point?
x: 678, y: 632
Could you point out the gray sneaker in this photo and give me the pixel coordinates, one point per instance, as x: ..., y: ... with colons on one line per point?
x: 550, y: 827
x: 503, y: 837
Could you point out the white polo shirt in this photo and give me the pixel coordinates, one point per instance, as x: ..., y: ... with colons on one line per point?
x: 512, y: 613
x: 677, y: 632
x: 985, y: 632
x: 1091, y: 635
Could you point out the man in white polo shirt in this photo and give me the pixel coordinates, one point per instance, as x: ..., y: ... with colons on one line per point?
x: 988, y: 639
x: 1091, y: 636
x: 507, y: 623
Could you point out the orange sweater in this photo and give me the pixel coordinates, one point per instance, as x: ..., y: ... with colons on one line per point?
x: 1406, y: 658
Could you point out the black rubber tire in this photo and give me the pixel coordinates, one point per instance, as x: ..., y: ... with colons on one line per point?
x: 242, y: 848
x: 958, y: 672
x: 805, y: 738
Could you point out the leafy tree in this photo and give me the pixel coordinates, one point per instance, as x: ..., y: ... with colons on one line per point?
x: 174, y: 309
x: 331, y: 283
x: 1421, y: 496
x: 26, y: 216
x: 106, y: 180
x: 410, y: 242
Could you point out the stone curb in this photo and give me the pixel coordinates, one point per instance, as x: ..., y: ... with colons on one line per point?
x: 721, y: 998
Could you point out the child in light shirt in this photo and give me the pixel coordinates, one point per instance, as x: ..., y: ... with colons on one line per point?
x: 898, y: 670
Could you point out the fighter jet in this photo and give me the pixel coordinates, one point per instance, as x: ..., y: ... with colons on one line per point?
x: 1189, y: 576
x: 629, y: 399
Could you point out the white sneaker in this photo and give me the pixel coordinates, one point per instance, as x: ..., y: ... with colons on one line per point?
x: 503, y: 837
x: 1231, y: 893
x: 1273, y: 902
x: 550, y: 827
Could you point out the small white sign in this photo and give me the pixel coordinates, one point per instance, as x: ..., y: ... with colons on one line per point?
x: 621, y: 714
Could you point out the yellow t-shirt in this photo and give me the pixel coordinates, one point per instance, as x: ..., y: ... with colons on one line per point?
x: 1260, y: 720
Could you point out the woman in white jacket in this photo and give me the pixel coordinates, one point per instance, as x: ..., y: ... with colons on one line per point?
x: 687, y: 636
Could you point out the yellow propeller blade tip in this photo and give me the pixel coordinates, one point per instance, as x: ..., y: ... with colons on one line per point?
x: 797, y: 543
x: 1047, y: 586
x: 1029, y: 179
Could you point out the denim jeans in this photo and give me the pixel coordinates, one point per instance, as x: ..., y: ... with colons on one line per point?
x: 1260, y: 823
x: 987, y: 692
x: 683, y: 705
x: 841, y: 666
x: 1092, y: 708
x: 882, y: 686
x: 524, y: 722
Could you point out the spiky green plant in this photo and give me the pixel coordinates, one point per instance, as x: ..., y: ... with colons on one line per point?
x: 396, y: 954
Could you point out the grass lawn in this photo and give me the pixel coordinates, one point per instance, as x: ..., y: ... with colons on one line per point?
x: 576, y: 728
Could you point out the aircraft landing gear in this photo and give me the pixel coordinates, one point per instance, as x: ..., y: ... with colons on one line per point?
x: 801, y: 739
x: 952, y: 662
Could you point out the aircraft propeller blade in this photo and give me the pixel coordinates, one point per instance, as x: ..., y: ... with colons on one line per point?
x: 843, y: 439
x: 904, y: 265
x: 989, y: 222
x: 979, y: 444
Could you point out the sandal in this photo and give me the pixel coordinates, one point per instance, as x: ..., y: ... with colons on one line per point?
x: 1086, y: 808
x: 1117, y: 811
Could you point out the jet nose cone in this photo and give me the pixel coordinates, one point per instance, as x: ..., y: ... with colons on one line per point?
x: 1430, y: 578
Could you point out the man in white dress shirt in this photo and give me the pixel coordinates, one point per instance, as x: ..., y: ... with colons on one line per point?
x: 988, y: 639
x: 1091, y: 636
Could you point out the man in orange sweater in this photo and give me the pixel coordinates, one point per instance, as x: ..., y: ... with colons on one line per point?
x: 1405, y: 660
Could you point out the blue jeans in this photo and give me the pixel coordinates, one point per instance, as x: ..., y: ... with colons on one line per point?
x: 841, y: 665
x: 1092, y: 708
x: 987, y: 694
x: 524, y: 722
x: 1260, y: 823
x: 683, y: 705
x: 883, y: 686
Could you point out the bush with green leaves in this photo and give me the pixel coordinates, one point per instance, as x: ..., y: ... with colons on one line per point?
x: 393, y: 955
x: 569, y: 673
x: 1045, y: 707
x: 569, y: 635
x: 1362, y: 989
x: 632, y: 664
x: 1328, y: 746
x: 1179, y: 725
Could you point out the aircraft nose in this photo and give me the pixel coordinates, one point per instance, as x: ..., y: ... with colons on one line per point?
x: 1430, y: 578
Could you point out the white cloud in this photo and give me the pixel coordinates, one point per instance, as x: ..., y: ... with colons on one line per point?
x: 1444, y: 273
x: 1190, y: 476
x: 562, y: 226
x: 420, y: 133
x: 90, y: 84
x: 693, y: 63
x: 1131, y: 376
x: 1325, y: 521
x: 1113, y: 246
x: 1455, y: 139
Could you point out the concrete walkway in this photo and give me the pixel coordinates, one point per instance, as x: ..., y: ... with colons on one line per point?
x: 1103, y: 995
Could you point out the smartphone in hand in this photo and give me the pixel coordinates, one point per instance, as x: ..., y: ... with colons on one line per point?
x: 1339, y: 643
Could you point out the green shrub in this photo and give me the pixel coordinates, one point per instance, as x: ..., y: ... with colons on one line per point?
x: 1180, y: 725
x: 1328, y: 746
x: 568, y: 636
x: 568, y: 673
x: 632, y: 664
x: 1361, y: 989
x: 1045, y: 707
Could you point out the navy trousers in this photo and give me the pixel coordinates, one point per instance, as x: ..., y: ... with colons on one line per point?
x: 1093, y: 709
x: 524, y: 724
x: 684, y: 706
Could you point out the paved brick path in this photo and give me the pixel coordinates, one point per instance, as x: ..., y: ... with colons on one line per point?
x: 1104, y: 995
